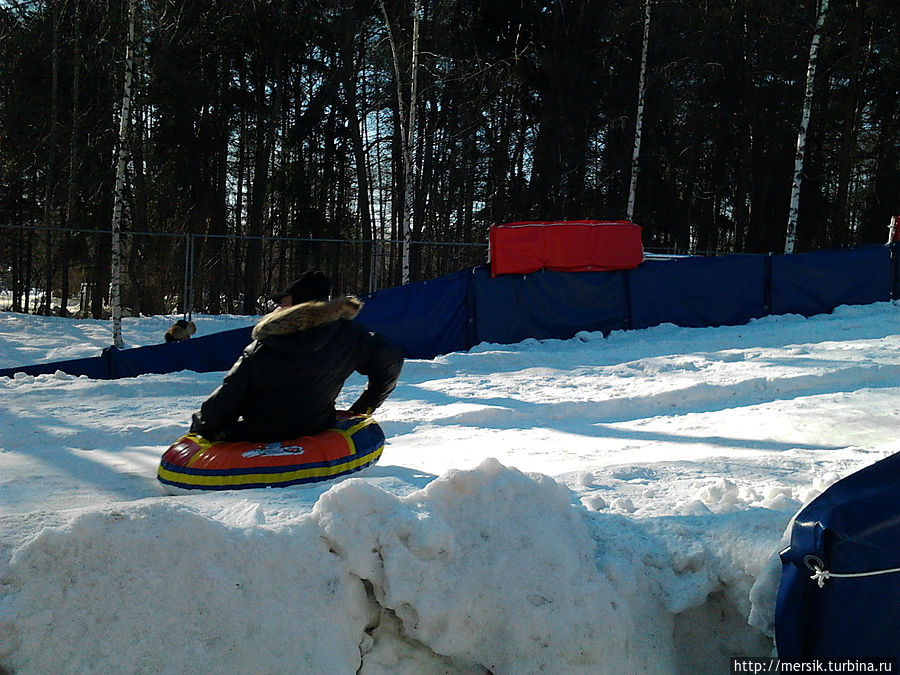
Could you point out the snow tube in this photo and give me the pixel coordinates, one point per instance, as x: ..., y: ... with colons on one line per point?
x: 839, y: 596
x: 196, y: 463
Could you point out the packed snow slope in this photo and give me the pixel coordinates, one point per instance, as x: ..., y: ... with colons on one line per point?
x: 595, y: 505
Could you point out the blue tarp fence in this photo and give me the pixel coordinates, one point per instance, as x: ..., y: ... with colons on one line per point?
x: 459, y: 310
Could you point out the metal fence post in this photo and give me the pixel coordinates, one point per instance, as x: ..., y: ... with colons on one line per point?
x: 187, y: 298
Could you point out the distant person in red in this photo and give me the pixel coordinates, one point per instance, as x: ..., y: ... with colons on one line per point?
x: 287, y: 380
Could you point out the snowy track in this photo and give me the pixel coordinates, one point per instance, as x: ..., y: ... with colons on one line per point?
x: 679, y: 456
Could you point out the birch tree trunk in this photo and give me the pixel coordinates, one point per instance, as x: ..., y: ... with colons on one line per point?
x: 790, y: 239
x: 407, y: 132
x: 632, y: 190
x: 118, y: 194
x: 74, y: 158
x: 52, y: 139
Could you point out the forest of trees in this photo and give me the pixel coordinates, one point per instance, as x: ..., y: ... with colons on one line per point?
x: 272, y: 129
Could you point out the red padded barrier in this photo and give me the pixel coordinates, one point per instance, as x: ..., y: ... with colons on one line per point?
x: 565, y: 246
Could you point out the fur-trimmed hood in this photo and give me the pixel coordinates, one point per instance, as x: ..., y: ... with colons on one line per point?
x: 297, y: 318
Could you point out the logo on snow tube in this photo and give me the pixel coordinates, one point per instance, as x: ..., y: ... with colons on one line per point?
x: 274, y: 450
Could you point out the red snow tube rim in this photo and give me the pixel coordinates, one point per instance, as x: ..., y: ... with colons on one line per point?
x: 194, y: 463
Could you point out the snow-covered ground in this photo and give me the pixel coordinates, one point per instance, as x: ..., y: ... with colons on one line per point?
x: 594, y: 505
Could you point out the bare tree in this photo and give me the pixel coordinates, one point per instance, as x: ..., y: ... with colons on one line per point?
x: 74, y: 159
x: 52, y: 140
x: 629, y: 211
x: 355, y: 125
x: 118, y: 194
x: 790, y: 239
x: 407, y: 130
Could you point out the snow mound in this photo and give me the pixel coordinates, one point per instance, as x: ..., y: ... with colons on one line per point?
x: 485, y: 570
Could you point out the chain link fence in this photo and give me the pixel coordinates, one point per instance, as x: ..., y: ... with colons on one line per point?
x: 186, y: 273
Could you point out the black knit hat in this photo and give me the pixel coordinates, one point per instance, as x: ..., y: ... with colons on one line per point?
x: 313, y: 285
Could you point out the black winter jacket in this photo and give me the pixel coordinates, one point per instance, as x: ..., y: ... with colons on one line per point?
x: 286, y: 381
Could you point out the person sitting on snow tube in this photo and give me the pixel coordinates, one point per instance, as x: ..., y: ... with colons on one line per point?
x: 286, y: 382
